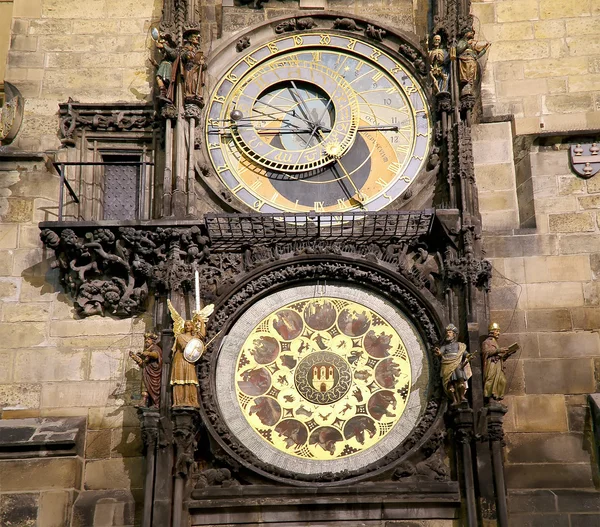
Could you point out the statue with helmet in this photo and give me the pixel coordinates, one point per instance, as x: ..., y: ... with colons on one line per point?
x: 494, y: 358
x: 455, y: 369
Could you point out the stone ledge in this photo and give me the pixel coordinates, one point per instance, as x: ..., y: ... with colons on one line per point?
x: 37, y: 437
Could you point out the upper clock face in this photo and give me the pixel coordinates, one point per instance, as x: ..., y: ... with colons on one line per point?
x: 321, y: 383
x: 321, y: 121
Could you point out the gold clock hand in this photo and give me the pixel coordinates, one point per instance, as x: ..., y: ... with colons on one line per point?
x: 359, y: 194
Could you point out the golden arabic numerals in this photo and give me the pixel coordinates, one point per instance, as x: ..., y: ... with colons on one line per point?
x: 283, y: 157
x: 222, y: 169
x: 410, y: 90
x: 298, y: 40
x: 212, y: 146
x: 325, y: 40
x: 219, y: 98
x: 213, y: 122
x: 232, y: 77
x: 251, y: 61
x: 351, y: 44
x: 257, y: 205
x: 316, y: 56
x: 272, y: 47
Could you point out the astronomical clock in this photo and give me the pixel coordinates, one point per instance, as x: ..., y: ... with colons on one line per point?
x: 322, y: 380
x: 318, y: 120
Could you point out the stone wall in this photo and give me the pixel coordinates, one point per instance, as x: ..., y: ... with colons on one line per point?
x: 544, y: 65
x: 545, y: 296
x: 57, y: 365
x: 92, y: 51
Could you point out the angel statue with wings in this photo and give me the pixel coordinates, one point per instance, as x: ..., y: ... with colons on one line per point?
x: 188, y: 347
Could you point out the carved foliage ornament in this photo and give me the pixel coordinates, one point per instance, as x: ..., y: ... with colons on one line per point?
x: 112, y: 270
x: 11, y: 114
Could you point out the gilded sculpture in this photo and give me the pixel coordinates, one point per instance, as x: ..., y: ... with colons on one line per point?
x: 469, y: 51
x: 150, y: 361
x: 494, y: 358
x: 455, y: 370
x: 190, y: 336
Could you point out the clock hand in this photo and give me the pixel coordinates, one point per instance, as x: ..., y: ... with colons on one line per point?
x: 360, y: 195
x: 300, y: 101
x: 279, y: 110
x: 382, y: 128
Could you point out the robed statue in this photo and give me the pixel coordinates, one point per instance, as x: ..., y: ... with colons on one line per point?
x: 190, y: 342
x: 150, y: 360
x: 455, y: 370
x: 494, y: 358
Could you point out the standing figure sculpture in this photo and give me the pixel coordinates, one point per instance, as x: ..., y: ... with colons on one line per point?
x: 439, y: 70
x: 493, y: 363
x: 194, y: 67
x: 190, y: 336
x: 468, y: 51
x: 164, y: 73
x: 150, y: 360
x: 455, y: 370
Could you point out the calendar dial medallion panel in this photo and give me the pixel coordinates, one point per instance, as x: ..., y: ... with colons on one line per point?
x: 331, y: 378
x: 318, y: 121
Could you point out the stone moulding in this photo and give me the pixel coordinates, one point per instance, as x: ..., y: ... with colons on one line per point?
x: 116, y: 117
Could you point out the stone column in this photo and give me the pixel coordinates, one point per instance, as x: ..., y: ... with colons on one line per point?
x: 462, y: 418
x: 496, y: 413
x: 185, y: 425
x: 149, y: 418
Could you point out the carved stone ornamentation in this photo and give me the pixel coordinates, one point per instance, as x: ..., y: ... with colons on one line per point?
x: 242, y: 44
x: 375, y: 33
x: 149, y: 421
x: 346, y: 24
x: 415, y: 57
x: 112, y: 270
x: 11, y: 113
x: 295, y: 24
x: 185, y: 426
x: 117, y: 117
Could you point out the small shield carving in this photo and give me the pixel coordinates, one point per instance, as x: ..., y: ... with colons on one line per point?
x: 585, y: 159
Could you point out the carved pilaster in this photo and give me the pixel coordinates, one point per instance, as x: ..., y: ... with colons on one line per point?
x: 185, y: 426
x: 149, y: 419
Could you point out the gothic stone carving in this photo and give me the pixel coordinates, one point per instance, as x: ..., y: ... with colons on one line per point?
x: 117, y: 117
x: 112, y: 269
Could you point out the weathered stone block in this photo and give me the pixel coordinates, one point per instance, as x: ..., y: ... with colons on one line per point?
x: 504, y: 71
x: 116, y: 473
x: 19, y: 210
x: 36, y: 184
x: 585, y: 520
x: 550, y: 476
x: 546, y: 448
x: 549, y: 320
x: 572, y: 222
x: 54, y: 508
x: 559, y: 375
x: 559, y: 204
x: 507, y: 298
x: 571, y: 185
x: 96, y: 325
x: 549, y: 29
x: 578, y: 417
x: 8, y: 236
x: 555, y: 295
x: 539, y: 520
x: 67, y: 394
x: 528, y: 245
x: 126, y: 442
x: 591, y: 294
x: 39, y: 474
x: 540, y: 413
x: 514, y: 50
x: 14, y: 312
x: 106, y: 364
x: 19, y: 509
x: 569, y: 103
x: 50, y: 364
x: 497, y: 201
x: 521, y: 88
x: 73, y: 9
x: 492, y: 152
x: 569, y: 345
x: 97, y: 445
x: 531, y: 501
x: 527, y: 341
x: 106, y: 507
x: 101, y: 418
x: 579, y: 243
x: 589, y: 202
x: 593, y: 185
x: 509, y: 11
x: 22, y: 335
x: 557, y: 268
x: 586, y: 318
x: 578, y: 501
x: 561, y: 9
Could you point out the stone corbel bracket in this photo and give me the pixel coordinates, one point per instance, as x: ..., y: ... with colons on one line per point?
x: 117, y: 117
x: 110, y: 268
